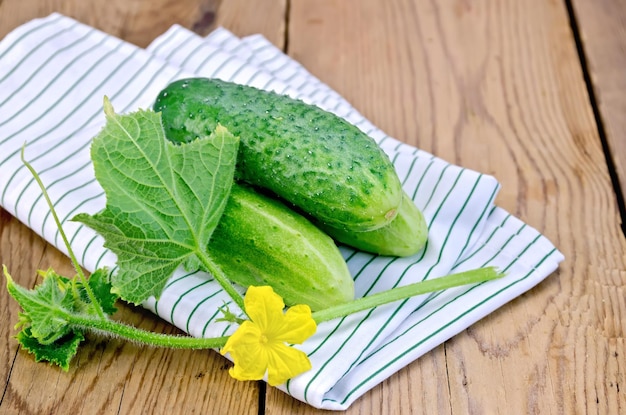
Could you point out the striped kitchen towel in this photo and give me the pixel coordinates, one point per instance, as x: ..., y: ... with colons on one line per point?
x: 54, y: 73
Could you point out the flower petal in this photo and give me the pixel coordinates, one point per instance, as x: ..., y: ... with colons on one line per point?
x: 263, y: 306
x: 258, y: 346
x: 297, y: 325
x: 253, y: 369
x: 250, y: 358
x: 285, y: 362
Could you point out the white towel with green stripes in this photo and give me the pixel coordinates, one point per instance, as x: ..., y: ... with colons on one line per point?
x: 54, y: 73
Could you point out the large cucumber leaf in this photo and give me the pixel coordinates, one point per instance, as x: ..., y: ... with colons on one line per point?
x: 163, y: 201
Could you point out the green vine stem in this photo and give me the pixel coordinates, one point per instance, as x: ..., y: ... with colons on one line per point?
x: 127, y: 332
x: 221, y: 278
x: 399, y: 293
x: 102, y: 324
x: 110, y: 327
x: 75, y: 263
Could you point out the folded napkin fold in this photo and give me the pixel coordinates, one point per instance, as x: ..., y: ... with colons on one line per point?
x: 54, y: 73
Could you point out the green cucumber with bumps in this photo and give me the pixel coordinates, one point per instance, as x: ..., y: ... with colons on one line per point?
x: 309, y: 157
x: 261, y: 241
x: 406, y: 235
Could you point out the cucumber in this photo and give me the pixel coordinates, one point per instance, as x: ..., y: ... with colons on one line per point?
x: 309, y: 157
x: 406, y: 235
x: 260, y: 241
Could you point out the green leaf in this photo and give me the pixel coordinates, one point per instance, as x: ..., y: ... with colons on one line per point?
x: 100, y: 283
x: 163, y: 200
x: 60, y: 352
x: 46, y: 308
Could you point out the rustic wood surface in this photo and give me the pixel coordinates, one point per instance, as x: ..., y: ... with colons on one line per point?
x: 602, y: 29
x: 496, y: 86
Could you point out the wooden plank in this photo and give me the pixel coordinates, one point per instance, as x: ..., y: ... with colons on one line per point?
x: 496, y: 87
x: 266, y: 17
x: 114, y: 376
x: 140, y: 22
x: 602, y: 26
x: 136, y: 22
x: 111, y: 376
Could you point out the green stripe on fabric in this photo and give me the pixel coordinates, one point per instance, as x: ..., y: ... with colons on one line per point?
x: 36, y: 139
x: 450, y: 322
x: 97, y: 113
x: 243, y: 65
x: 418, y: 186
x: 483, y: 214
x: 397, y: 309
x: 361, y: 270
x: 170, y: 283
x: 402, y: 304
x: 182, y: 296
x: 493, y: 233
x: 409, y: 170
x: 163, y: 42
x: 191, y: 54
x: 223, y: 64
x: 122, y: 88
x: 39, y: 46
x: 42, y: 24
x: 374, y: 338
x: 253, y: 77
x: 45, y: 111
x: 338, y: 349
x: 88, y: 245
x: 60, y: 198
x: 40, y: 68
x: 197, y: 307
x: 456, y: 218
x: 41, y: 92
x: 205, y: 61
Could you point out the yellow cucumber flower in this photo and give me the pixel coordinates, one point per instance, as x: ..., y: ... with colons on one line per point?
x: 261, y: 345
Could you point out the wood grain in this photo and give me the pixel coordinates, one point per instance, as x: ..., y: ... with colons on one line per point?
x: 602, y: 26
x: 135, y: 21
x: 110, y: 376
x: 497, y: 87
x: 267, y: 17
x: 139, y: 22
x: 494, y: 86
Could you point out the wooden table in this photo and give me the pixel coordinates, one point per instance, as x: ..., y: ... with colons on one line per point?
x: 530, y: 91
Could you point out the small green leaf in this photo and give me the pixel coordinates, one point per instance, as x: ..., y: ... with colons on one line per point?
x: 229, y: 316
x: 163, y: 200
x: 100, y: 284
x: 60, y: 352
x: 46, y: 308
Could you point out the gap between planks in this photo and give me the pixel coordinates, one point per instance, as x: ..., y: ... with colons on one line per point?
x: 593, y: 101
x: 262, y: 386
x: 619, y: 196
